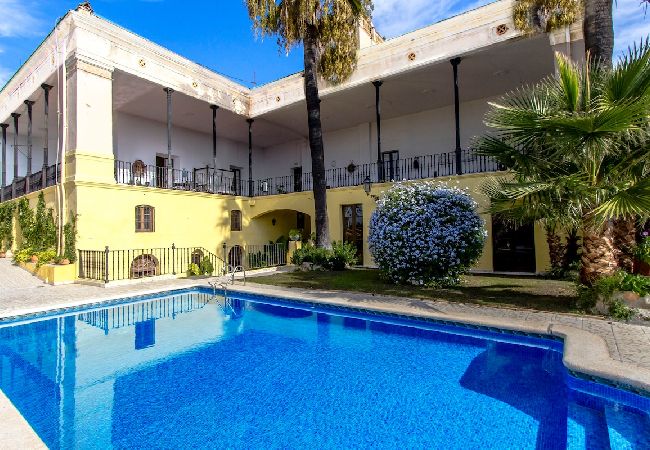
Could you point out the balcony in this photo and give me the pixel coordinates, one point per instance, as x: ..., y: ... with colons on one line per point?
x: 31, y: 183
x: 224, y: 182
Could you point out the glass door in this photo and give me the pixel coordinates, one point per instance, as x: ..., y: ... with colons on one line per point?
x: 353, y: 228
x: 390, y: 165
x: 297, y: 179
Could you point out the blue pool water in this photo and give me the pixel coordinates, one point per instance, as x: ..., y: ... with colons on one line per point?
x: 190, y: 370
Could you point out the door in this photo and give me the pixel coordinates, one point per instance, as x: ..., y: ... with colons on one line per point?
x: 514, y: 247
x: 297, y: 179
x: 353, y: 228
x: 390, y: 165
x: 161, y: 171
x: 236, y: 180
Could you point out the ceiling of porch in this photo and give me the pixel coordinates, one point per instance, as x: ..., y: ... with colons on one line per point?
x: 487, y: 73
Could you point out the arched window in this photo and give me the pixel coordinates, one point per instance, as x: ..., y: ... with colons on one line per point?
x: 235, y: 220
x: 144, y: 266
x: 144, y: 219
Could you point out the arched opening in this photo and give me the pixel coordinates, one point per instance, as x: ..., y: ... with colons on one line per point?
x: 278, y: 225
x: 196, y: 257
x: 144, y: 266
x: 236, y: 256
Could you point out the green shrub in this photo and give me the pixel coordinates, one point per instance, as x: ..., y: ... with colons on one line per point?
x: 642, y: 250
x: 193, y: 270
x: 206, y: 267
x: 343, y: 254
x: 7, y: 211
x: 45, y: 257
x: 23, y: 255
x: 619, y: 310
x: 70, y: 233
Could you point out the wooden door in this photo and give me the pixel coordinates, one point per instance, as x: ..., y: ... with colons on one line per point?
x: 353, y: 228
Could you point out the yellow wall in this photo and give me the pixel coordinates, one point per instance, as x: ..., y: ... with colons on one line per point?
x: 106, y: 216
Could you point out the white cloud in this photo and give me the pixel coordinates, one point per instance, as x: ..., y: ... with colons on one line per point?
x: 395, y: 17
x: 631, y: 25
x: 17, y: 19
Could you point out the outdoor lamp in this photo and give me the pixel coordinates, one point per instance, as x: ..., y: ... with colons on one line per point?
x: 367, y: 185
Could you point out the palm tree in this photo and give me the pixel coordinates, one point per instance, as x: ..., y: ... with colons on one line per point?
x: 578, y: 146
x: 329, y: 34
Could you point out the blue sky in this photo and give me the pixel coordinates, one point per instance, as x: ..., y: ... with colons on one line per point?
x: 217, y: 33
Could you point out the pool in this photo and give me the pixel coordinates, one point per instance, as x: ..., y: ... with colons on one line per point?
x: 189, y: 369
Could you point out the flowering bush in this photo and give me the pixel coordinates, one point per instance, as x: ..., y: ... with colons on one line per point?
x: 426, y: 233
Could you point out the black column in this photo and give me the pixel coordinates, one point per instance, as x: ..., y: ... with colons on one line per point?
x: 459, y: 169
x: 46, y: 137
x: 170, y: 172
x: 4, y: 127
x: 15, y: 116
x: 30, y: 122
x: 250, y: 156
x: 380, y: 166
x: 214, y: 136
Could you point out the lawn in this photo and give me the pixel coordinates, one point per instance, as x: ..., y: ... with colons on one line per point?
x: 511, y: 291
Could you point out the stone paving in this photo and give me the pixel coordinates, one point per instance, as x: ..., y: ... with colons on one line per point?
x: 21, y: 293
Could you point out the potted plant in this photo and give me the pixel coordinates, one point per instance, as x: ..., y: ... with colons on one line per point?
x: 34, y: 259
x: 295, y: 235
x: 3, y: 254
x: 642, y: 255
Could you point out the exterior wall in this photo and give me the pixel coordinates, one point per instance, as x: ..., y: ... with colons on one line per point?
x: 140, y: 138
x: 189, y: 219
x: 425, y: 133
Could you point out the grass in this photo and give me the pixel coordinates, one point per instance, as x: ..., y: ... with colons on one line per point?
x: 510, y: 291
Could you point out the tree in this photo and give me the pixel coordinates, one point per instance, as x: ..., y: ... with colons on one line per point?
x: 328, y: 30
x: 578, y: 145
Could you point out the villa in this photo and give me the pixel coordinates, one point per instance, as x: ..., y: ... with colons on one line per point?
x: 113, y: 127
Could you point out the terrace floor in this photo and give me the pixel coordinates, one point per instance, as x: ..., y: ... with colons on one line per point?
x: 626, y: 343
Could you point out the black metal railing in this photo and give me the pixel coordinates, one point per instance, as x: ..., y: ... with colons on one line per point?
x: 114, y: 265
x: 227, y: 183
x: 252, y: 257
x: 31, y: 183
x: 128, y: 315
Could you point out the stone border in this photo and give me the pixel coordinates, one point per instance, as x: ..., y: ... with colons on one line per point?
x: 595, y: 362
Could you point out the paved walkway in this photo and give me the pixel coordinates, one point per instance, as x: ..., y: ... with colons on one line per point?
x: 21, y: 293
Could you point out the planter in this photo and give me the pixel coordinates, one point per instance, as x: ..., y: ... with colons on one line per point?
x: 64, y: 262
x: 641, y: 268
x: 34, y: 259
x: 3, y: 255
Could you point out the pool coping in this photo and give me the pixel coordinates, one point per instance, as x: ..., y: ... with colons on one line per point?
x: 596, y: 363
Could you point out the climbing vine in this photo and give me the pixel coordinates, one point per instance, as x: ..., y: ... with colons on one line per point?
x: 70, y: 233
x: 38, y: 228
x: 7, y: 211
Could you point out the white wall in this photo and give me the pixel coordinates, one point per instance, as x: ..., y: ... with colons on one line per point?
x: 139, y: 138
x: 37, y: 154
x: 425, y: 133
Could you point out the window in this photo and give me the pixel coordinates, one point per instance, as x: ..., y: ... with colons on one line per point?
x: 235, y: 220
x: 144, y: 219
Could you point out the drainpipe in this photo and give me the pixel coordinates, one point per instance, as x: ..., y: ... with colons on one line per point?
x: 250, y: 156
x: 459, y: 169
x: 30, y: 122
x: 4, y: 127
x: 46, y: 138
x: 380, y: 166
x: 170, y: 171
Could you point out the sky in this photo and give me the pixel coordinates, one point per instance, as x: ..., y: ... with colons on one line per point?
x: 218, y: 33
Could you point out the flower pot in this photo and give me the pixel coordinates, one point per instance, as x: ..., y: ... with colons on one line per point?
x: 64, y: 262
x: 641, y: 268
x: 3, y: 255
x: 34, y: 259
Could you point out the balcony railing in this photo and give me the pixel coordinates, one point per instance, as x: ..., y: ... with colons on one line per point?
x: 31, y: 183
x: 226, y: 182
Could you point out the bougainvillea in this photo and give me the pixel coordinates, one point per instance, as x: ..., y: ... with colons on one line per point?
x: 426, y: 233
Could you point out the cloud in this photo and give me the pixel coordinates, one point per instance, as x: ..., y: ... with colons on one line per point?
x: 395, y: 17
x: 631, y: 25
x: 17, y: 19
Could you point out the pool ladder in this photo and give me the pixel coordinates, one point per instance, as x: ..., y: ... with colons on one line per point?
x: 227, y: 278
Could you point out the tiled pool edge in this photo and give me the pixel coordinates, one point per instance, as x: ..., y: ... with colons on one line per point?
x: 596, y: 363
